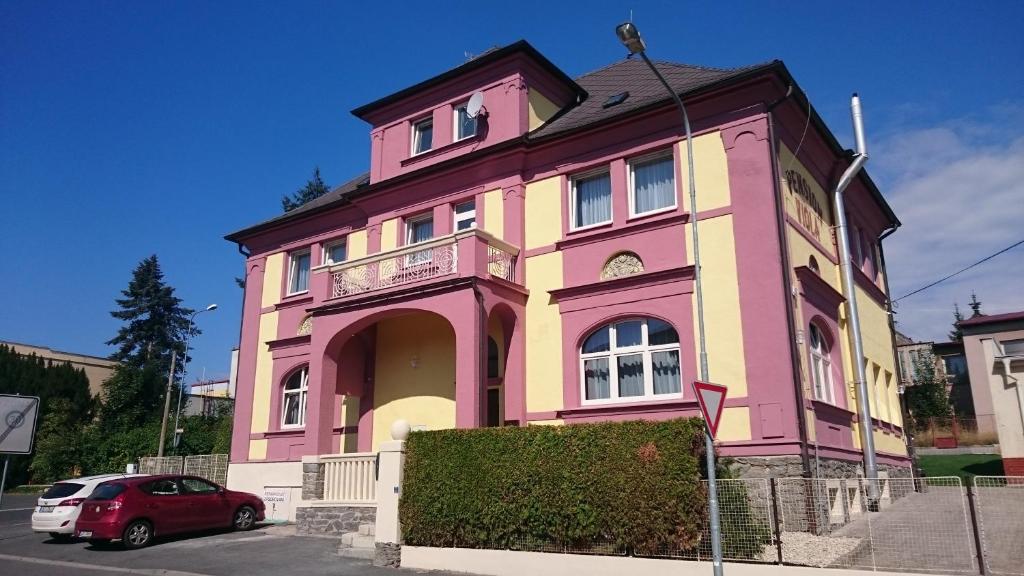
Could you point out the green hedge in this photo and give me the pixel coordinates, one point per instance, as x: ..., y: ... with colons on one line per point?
x: 629, y: 487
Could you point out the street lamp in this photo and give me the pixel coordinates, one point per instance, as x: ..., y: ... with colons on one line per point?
x: 630, y: 38
x: 184, y: 368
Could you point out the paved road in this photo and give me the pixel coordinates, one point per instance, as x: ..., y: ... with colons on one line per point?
x: 271, y: 550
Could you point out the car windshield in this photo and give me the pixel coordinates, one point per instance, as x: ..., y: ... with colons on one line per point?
x: 106, y: 491
x: 62, y: 489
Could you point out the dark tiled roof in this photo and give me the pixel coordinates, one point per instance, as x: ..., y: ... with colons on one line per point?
x: 979, y: 320
x: 644, y: 89
x: 331, y: 197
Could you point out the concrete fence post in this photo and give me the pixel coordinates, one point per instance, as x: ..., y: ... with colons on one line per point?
x: 390, y: 473
x: 312, y: 478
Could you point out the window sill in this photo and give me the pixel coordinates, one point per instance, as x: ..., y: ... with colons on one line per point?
x: 282, y: 433
x: 610, y: 230
x: 629, y: 408
x: 293, y: 299
x: 643, y: 215
x: 415, y: 158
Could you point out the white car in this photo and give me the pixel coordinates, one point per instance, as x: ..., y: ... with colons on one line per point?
x: 59, y: 506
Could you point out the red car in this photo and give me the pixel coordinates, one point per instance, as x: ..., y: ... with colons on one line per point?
x: 136, y: 510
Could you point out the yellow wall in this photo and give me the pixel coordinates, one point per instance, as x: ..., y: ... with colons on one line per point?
x: 263, y: 382
x: 257, y: 449
x: 350, y: 418
x: 423, y: 395
x: 735, y: 424
x: 389, y: 235
x: 712, y: 172
x: 543, y: 212
x: 543, y: 334
x: 797, y: 207
x: 541, y: 109
x: 356, y: 244
x: 494, y: 213
x: 273, y: 268
x: 722, y: 326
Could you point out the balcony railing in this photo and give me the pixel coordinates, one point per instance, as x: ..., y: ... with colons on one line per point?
x: 428, y: 260
x: 350, y: 478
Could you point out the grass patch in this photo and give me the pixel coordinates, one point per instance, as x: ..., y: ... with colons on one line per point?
x: 963, y: 465
x: 28, y: 489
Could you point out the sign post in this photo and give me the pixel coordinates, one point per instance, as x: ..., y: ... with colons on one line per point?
x: 17, y: 429
x: 711, y: 398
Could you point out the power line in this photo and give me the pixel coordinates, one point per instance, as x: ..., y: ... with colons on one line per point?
x: 985, y: 259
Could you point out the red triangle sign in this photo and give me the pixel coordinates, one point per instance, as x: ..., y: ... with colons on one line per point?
x: 712, y: 399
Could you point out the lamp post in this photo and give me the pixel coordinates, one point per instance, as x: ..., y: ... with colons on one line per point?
x: 630, y: 37
x: 184, y: 369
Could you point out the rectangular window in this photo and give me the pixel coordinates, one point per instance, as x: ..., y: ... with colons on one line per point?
x: 591, y: 200
x: 419, y: 229
x: 652, y: 184
x: 464, y: 125
x: 422, y: 136
x: 298, y: 272
x: 335, y: 252
x: 1013, y: 347
x: 465, y: 215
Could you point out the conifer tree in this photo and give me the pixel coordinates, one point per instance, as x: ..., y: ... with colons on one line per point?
x: 313, y: 189
x: 956, y: 334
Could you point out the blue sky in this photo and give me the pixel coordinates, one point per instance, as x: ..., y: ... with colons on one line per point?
x: 133, y: 128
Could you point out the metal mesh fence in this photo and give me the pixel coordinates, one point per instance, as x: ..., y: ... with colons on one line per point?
x: 160, y: 464
x: 213, y: 467
x: 999, y: 506
x: 917, y: 525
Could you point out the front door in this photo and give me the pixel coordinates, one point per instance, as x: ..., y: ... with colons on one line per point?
x: 166, y: 506
x: 210, y: 508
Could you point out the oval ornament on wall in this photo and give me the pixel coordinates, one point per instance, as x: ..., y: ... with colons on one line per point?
x: 305, y: 327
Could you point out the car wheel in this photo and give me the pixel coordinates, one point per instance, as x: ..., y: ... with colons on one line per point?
x: 245, y: 518
x: 59, y: 536
x: 138, y: 534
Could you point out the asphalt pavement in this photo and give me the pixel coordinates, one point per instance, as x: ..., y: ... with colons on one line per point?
x: 271, y: 550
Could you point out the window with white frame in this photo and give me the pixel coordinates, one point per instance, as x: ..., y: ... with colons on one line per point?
x: 417, y: 230
x: 335, y: 252
x: 591, y: 199
x: 465, y: 215
x: 629, y: 360
x: 652, y: 183
x: 298, y: 272
x: 422, y: 136
x: 464, y: 125
x: 821, y: 366
x: 293, y: 399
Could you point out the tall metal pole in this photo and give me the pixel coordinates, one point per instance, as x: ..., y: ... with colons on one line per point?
x: 167, y: 404
x: 184, y: 372
x: 709, y: 443
x: 3, y: 478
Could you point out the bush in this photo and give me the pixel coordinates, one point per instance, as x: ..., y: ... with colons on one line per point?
x: 628, y: 486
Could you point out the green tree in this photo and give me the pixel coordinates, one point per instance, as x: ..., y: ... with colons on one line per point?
x: 58, y: 444
x: 927, y: 398
x: 956, y: 335
x: 154, y: 320
x: 313, y: 189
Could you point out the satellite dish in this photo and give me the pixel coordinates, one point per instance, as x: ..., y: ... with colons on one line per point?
x: 476, y: 103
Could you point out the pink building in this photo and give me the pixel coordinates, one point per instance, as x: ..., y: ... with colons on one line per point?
x: 532, y: 266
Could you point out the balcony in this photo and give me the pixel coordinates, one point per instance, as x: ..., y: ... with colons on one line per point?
x: 462, y: 254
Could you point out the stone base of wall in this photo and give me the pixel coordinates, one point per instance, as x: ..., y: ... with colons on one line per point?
x: 791, y: 467
x: 387, y: 555
x: 312, y: 481
x: 333, y: 519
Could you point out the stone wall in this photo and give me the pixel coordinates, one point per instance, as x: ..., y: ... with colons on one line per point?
x: 790, y: 467
x: 312, y: 481
x: 333, y: 519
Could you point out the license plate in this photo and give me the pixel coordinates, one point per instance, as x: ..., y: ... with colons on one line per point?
x: 46, y: 509
x: 84, y: 534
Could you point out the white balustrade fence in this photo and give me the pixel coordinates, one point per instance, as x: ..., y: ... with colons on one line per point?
x: 501, y: 264
x: 350, y: 478
x: 396, y: 268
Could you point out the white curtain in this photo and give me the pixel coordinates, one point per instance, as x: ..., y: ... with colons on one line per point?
x: 300, y: 275
x: 596, y: 374
x: 593, y: 200
x: 654, y: 185
x: 631, y: 375
x: 666, y: 371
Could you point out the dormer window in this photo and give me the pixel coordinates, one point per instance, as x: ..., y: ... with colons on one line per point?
x: 422, y: 136
x: 465, y: 126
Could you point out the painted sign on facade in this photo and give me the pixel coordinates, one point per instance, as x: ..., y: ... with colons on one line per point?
x: 806, y: 201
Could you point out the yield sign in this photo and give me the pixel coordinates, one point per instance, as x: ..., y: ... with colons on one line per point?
x: 712, y: 400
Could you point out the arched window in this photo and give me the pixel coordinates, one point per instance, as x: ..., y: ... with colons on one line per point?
x: 812, y: 263
x: 293, y: 401
x: 821, y: 366
x: 629, y: 360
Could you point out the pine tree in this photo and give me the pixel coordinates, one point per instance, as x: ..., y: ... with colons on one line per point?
x: 155, y: 322
x: 956, y: 335
x: 313, y: 189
